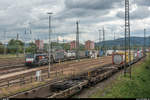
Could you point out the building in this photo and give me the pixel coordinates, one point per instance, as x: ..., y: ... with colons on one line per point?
x: 39, y: 44
x: 72, y: 45
x: 89, y: 45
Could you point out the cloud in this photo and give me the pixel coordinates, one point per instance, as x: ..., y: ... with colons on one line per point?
x: 88, y: 4
x: 141, y: 12
x: 143, y: 2
x: 86, y: 8
x: 15, y: 16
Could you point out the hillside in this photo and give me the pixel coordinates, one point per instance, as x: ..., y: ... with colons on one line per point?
x: 138, y: 41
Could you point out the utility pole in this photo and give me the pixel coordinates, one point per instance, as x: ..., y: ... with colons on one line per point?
x: 63, y: 43
x: 17, y: 51
x: 63, y: 40
x: 114, y: 42
x: 77, y: 42
x: 49, y: 46
x: 114, y: 36
x: 148, y: 41
x: 25, y: 43
x: 99, y: 38
x: 30, y: 32
x: 127, y: 38
x: 144, y: 48
x: 4, y: 42
x: 58, y: 40
x: 104, y: 49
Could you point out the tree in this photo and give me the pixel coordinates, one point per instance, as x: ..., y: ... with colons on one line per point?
x: 1, y: 48
x: 66, y: 46
x: 82, y: 47
x: 15, y: 46
x: 32, y: 48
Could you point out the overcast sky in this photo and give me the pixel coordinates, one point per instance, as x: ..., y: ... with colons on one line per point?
x: 16, y: 15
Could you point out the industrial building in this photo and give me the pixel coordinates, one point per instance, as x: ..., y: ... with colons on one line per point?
x: 72, y: 45
x: 40, y: 44
x: 89, y: 45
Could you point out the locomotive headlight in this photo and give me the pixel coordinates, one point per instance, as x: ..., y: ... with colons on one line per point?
x: 29, y: 60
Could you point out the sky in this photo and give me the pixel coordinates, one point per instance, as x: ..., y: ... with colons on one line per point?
x: 93, y: 15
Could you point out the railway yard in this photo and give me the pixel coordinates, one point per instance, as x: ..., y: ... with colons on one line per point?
x: 66, y: 78
x: 88, y: 44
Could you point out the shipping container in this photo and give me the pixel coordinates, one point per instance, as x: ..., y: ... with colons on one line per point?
x: 87, y: 53
x: 101, y: 53
x: 116, y: 57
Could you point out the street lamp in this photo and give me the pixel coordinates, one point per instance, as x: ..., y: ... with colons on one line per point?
x: 50, y: 46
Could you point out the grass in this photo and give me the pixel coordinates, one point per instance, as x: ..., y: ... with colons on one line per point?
x: 123, y: 87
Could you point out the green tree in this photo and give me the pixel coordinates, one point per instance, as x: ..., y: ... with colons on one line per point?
x: 82, y: 47
x: 1, y: 48
x: 15, y: 46
x: 32, y: 48
x: 66, y: 46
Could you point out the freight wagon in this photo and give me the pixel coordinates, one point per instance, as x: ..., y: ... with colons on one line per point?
x: 57, y: 55
x: 119, y: 57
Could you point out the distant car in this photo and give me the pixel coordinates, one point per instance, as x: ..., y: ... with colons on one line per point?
x: 36, y: 60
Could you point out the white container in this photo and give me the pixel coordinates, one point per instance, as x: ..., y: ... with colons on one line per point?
x: 117, y: 59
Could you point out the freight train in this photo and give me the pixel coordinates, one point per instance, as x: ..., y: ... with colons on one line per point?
x: 34, y: 60
x: 119, y: 57
x: 73, y: 85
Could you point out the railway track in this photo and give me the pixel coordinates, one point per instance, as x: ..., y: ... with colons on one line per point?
x: 12, y: 69
x: 50, y: 93
x: 11, y: 61
x: 14, y: 65
x: 47, y: 86
x: 61, y: 90
x: 15, y: 79
x: 20, y: 67
x: 10, y: 65
x: 66, y: 68
x: 68, y: 87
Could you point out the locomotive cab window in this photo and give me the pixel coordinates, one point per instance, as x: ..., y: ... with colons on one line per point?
x: 29, y: 56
